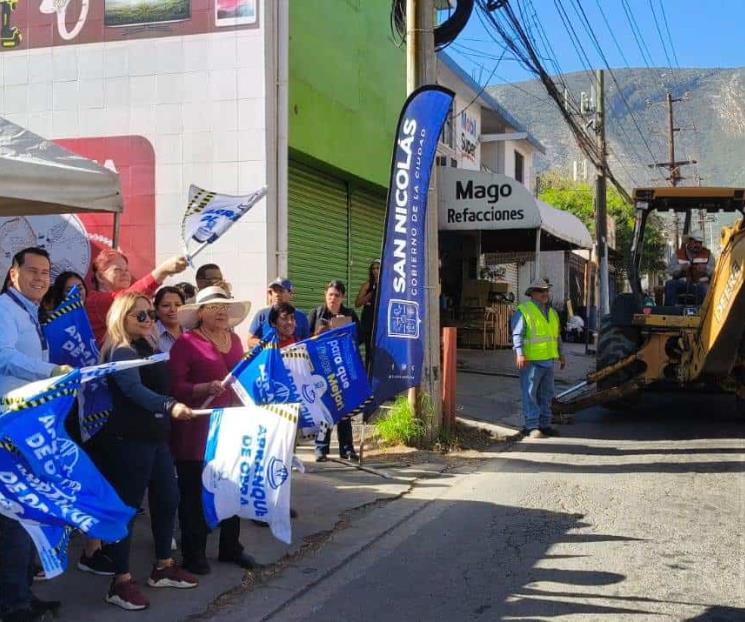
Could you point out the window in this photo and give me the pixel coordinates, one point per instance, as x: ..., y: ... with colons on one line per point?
x: 447, y: 135
x: 519, y: 167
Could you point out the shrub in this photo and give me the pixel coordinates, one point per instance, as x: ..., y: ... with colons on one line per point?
x: 399, y: 425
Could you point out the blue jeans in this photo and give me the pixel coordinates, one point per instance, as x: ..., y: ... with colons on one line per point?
x: 537, y: 386
x: 16, y: 566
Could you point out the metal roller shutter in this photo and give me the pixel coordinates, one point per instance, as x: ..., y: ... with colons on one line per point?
x: 317, y: 233
x: 367, y: 220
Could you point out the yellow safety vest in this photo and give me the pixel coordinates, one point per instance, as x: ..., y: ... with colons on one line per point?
x: 541, y: 339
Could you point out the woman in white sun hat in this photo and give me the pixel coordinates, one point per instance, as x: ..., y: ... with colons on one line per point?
x: 200, y: 359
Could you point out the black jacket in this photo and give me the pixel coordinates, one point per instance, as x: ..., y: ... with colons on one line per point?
x: 140, y: 397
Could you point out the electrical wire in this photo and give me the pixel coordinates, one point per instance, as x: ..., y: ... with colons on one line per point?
x: 511, y: 33
x: 659, y: 33
x: 646, y: 56
x: 481, y: 90
x: 593, y: 37
x: 667, y: 29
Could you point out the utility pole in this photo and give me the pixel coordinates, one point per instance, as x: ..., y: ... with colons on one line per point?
x: 601, y: 212
x: 421, y: 69
x: 673, y: 165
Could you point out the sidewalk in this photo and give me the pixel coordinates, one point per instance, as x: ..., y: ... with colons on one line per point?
x: 488, y: 388
x: 326, y: 497
x: 323, y: 496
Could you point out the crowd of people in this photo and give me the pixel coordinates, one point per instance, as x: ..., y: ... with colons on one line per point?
x: 152, y: 441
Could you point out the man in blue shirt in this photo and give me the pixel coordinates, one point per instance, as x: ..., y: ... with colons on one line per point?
x: 23, y: 359
x: 279, y: 290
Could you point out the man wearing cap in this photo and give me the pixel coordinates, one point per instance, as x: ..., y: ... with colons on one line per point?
x: 279, y: 290
x: 535, y: 339
x: 690, y: 269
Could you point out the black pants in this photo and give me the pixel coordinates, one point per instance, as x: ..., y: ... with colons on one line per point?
x: 194, y: 528
x: 16, y: 566
x: 343, y: 435
x: 132, y: 467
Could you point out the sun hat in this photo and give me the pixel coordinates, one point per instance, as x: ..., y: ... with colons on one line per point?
x: 237, y: 309
x: 541, y: 284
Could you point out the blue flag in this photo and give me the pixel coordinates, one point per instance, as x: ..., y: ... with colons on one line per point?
x: 47, y: 482
x: 71, y: 342
x: 324, y: 374
x: 398, y: 339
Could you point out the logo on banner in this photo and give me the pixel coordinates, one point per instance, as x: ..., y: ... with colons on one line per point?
x: 403, y: 319
x: 315, y: 390
x: 276, y: 473
x: 69, y: 454
x: 270, y: 390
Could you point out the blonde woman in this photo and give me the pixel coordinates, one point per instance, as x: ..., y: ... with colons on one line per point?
x: 134, y: 447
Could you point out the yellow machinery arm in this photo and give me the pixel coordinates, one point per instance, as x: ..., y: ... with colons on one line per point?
x: 714, y: 349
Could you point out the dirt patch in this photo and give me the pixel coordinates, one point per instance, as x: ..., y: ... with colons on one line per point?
x: 465, y: 442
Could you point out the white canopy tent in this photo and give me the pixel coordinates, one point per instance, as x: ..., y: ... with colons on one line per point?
x: 38, y: 177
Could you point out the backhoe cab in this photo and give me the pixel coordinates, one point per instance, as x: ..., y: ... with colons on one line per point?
x: 685, y: 343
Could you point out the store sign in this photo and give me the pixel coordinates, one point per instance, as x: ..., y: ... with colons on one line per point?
x: 468, y: 138
x: 474, y: 200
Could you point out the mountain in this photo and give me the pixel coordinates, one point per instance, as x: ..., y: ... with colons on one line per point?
x: 714, y: 105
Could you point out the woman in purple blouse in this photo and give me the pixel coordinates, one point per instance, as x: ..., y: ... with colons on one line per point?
x: 200, y: 359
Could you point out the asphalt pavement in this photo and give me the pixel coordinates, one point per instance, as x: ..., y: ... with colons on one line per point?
x: 626, y: 516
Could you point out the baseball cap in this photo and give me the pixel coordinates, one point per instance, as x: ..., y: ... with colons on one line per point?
x: 281, y: 283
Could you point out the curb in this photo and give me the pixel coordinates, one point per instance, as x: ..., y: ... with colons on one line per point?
x: 504, y: 432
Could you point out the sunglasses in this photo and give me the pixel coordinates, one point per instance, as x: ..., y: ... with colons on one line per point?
x: 143, y: 316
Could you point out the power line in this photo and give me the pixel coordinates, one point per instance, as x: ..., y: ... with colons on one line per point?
x: 481, y: 90
x: 637, y: 37
x: 593, y: 37
x: 667, y: 29
x: 659, y: 33
x: 613, y: 34
x: 507, y: 26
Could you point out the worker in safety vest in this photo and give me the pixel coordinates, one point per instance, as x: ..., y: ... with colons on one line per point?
x: 537, y: 345
x: 690, y: 269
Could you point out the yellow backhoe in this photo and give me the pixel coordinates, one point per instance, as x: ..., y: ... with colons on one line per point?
x: 686, y: 344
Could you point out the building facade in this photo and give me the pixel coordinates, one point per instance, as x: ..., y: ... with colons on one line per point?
x: 346, y: 88
x: 481, y: 135
x: 166, y: 94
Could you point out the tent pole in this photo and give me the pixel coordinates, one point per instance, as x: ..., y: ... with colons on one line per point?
x: 537, y: 261
x: 117, y: 225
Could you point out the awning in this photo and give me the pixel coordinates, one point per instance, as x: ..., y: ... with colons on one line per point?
x: 505, y: 213
x: 37, y: 177
x: 564, y: 226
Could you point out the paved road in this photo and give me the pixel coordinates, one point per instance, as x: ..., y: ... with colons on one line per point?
x: 625, y: 517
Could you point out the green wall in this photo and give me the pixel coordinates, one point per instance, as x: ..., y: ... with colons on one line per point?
x: 347, y: 85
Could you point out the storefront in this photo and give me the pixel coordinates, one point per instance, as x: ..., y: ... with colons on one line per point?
x: 495, y: 237
x: 335, y: 231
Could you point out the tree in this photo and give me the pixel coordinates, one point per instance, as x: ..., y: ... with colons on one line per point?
x: 577, y: 198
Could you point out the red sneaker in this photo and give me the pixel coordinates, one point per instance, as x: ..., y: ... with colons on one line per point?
x: 172, y: 576
x: 127, y: 595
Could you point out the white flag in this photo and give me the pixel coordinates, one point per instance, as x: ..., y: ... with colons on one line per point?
x: 210, y: 214
x: 248, y: 466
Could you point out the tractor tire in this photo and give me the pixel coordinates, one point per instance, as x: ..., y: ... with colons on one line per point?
x: 614, y: 344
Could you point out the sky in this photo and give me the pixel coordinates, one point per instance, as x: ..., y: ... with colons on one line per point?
x: 704, y: 33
